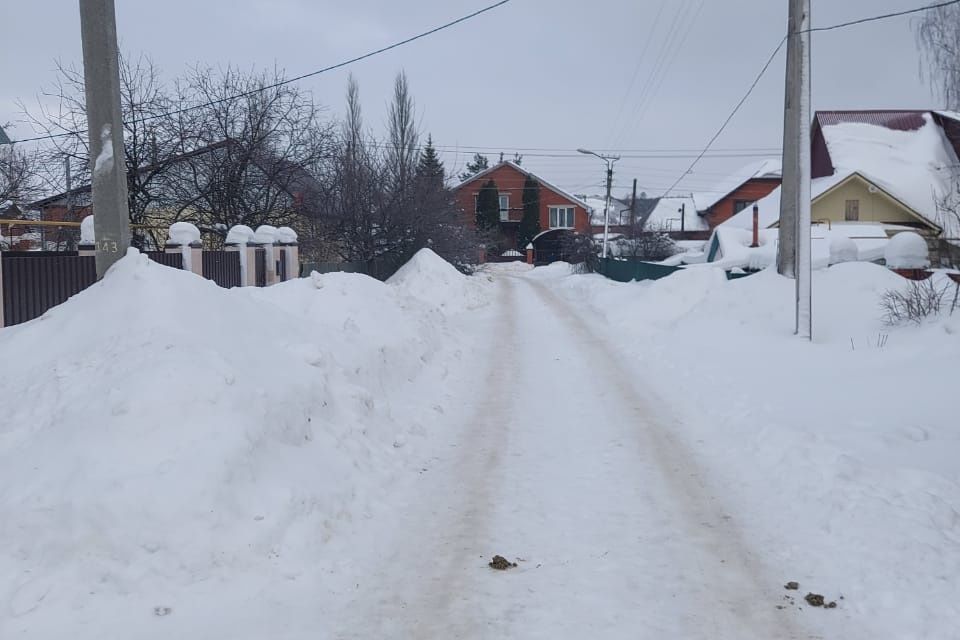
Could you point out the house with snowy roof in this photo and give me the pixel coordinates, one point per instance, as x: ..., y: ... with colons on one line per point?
x: 738, y: 191
x: 874, y: 174
x: 561, y: 213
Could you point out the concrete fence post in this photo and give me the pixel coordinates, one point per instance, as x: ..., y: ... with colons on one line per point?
x: 238, y: 239
x: 185, y: 239
x: 286, y: 238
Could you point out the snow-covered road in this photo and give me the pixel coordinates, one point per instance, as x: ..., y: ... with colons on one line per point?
x: 560, y: 461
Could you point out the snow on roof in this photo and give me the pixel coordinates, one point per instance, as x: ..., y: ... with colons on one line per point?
x: 769, y: 168
x: 666, y: 215
x: 770, y: 205
x: 916, y: 167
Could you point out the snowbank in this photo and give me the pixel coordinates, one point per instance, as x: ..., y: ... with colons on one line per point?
x: 178, y: 450
x: 840, y: 456
x: 435, y: 282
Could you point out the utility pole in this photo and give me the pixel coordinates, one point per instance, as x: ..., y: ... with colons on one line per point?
x: 793, y: 252
x: 683, y: 217
x: 633, y: 208
x: 101, y: 72
x: 606, y: 206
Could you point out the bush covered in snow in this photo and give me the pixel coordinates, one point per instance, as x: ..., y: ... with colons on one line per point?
x: 907, y: 250
x: 921, y: 299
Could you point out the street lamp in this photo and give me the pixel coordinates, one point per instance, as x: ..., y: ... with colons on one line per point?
x: 606, y: 205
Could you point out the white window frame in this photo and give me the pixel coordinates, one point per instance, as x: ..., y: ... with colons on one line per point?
x: 504, y: 211
x: 554, y: 210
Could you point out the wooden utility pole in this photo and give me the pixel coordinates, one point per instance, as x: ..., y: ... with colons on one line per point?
x: 793, y: 253
x: 101, y: 73
x: 633, y: 208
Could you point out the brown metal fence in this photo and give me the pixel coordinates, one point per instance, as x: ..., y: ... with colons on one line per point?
x: 282, y: 265
x: 174, y: 260
x: 223, y: 267
x: 260, y: 264
x: 36, y: 281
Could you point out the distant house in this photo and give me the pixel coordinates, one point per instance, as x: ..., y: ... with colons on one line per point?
x: 561, y: 213
x: 891, y: 170
x: 298, y: 186
x: 738, y: 191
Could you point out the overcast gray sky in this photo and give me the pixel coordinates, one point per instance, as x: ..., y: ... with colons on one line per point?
x: 533, y: 74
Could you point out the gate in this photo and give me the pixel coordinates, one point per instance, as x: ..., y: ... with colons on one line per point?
x: 36, y: 281
x: 223, y: 267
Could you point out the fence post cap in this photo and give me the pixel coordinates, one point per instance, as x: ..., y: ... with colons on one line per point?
x: 183, y: 233
x: 239, y: 234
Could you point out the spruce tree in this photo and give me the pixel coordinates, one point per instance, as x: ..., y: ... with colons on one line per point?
x: 475, y: 166
x: 488, y: 206
x: 530, y: 222
x: 429, y: 167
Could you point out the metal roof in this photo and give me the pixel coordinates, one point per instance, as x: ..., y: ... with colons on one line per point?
x: 906, y: 120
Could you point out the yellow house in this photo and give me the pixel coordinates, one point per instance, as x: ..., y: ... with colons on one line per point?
x: 853, y: 199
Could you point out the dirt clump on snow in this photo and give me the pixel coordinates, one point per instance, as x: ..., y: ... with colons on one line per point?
x: 792, y: 586
x: 817, y: 600
x: 501, y: 564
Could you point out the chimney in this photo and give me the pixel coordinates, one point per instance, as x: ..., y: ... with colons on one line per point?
x: 756, y: 226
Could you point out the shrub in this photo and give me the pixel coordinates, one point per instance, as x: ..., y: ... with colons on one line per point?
x: 918, y: 301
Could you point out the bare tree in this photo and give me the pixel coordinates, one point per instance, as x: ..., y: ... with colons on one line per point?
x: 18, y: 174
x: 938, y: 34
x: 152, y: 140
x: 254, y: 140
x: 401, y: 156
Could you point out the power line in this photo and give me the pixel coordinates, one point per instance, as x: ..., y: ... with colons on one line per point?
x: 304, y: 76
x: 766, y: 66
x: 886, y: 16
x: 733, y: 113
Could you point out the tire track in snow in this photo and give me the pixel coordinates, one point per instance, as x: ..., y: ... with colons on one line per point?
x: 427, y: 556
x: 729, y: 574
x: 441, y: 609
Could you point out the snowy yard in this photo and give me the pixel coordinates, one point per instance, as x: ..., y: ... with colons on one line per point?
x: 336, y: 457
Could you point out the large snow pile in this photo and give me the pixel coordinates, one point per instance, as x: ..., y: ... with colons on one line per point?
x: 435, y: 282
x: 839, y: 456
x: 907, y: 250
x: 173, y: 453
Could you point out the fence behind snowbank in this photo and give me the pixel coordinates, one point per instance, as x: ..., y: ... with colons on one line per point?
x: 31, y: 282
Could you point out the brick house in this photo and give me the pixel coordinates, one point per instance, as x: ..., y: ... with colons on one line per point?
x: 739, y: 191
x: 559, y: 211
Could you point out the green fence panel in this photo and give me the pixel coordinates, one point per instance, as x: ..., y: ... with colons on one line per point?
x: 630, y: 270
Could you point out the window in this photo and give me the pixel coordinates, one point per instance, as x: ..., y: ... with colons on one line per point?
x: 561, y: 217
x: 740, y: 205
x: 852, y: 213
x: 504, y: 207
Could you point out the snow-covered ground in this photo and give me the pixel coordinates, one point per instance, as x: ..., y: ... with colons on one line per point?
x: 838, y: 460
x: 173, y: 456
x: 336, y: 457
